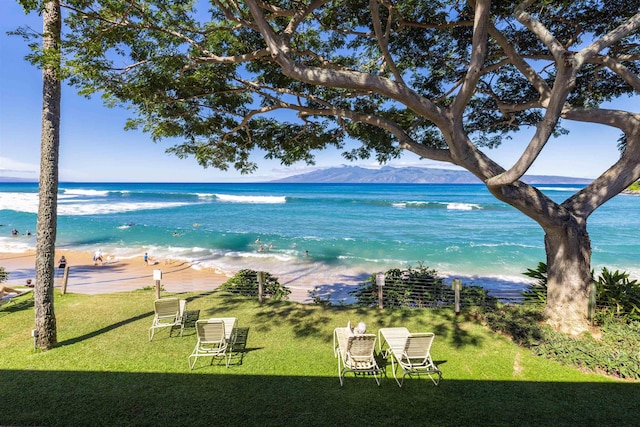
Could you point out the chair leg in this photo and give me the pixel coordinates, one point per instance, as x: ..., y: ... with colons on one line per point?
x: 375, y: 377
x: 395, y: 368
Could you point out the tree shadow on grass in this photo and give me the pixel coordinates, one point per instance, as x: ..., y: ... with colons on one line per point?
x: 230, y: 397
x: 19, y: 304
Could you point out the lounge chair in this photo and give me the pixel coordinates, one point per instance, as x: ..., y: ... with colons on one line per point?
x: 214, y: 340
x: 10, y: 298
x: 414, y: 358
x: 355, y: 353
x: 169, y: 312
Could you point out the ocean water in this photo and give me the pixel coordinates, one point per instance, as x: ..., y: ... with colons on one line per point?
x: 337, y: 231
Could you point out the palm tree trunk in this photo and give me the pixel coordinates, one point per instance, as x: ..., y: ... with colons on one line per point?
x: 48, y: 190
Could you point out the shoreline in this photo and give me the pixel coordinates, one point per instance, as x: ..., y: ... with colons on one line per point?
x: 127, y: 273
x: 123, y: 274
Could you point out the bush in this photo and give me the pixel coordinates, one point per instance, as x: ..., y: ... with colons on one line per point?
x: 245, y: 282
x: 616, y: 295
x: 523, y: 323
x: 536, y: 292
x: 615, y: 353
x: 3, y: 275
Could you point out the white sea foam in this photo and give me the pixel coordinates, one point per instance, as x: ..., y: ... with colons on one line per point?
x: 206, y: 196
x: 90, y: 193
x: 21, y: 202
x: 409, y: 204
x: 461, y: 206
x: 16, y: 244
x: 251, y: 199
x: 90, y: 208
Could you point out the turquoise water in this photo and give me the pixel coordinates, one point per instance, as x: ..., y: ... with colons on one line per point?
x: 330, y: 229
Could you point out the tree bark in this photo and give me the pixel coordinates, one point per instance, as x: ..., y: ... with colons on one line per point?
x: 568, y: 277
x: 568, y: 249
x: 48, y: 189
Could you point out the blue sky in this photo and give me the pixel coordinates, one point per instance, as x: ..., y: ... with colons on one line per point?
x: 95, y: 147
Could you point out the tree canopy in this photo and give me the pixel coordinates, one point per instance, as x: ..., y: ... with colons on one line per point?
x: 442, y: 79
x: 293, y: 77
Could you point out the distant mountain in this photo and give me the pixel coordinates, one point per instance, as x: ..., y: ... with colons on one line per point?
x: 14, y: 179
x: 411, y: 175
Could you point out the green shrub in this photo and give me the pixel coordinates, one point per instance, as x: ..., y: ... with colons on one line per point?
x: 3, y: 275
x: 617, y: 296
x: 537, y: 292
x: 615, y: 353
x: 522, y: 323
x: 245, y: 282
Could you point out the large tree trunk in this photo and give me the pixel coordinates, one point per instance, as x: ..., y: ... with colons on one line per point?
x: 568, y: 249
x: 568, y: 277
x: 48, y: 191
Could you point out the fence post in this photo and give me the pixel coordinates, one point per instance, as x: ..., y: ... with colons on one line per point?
x: 260, y: 286
x: 157, y: 276
x: 457, y: 286
x: 592, y: 300
x: 380, y: 283
x: 65, y: 277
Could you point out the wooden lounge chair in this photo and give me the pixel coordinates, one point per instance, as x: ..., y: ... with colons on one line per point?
x: 355, y: 353
x: 415, y: 358
x: 214, y: 340
x: 168, y: 313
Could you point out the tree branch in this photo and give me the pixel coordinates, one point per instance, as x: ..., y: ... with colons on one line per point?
x: 478, y: 50
x: 404, y: 140
x: 518, y: 61
x: 540, y: 31
x: 623, y: 30
x: 281, y: 53
x: 383, y: 40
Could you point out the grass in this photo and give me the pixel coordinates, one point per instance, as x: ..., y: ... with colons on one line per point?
x: 105, y: 372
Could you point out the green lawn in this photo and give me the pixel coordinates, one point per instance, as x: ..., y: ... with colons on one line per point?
x: 106, y: 372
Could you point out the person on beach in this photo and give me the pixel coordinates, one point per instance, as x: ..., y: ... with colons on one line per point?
x: 146, y: 258
x: 14, y: 232
x: 62, y: 264
x: 4, y: 290
x: 97, y: 257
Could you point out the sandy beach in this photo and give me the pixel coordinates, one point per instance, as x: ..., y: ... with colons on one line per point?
x: 124, y: 274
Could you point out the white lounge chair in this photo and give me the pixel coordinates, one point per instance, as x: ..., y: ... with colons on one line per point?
x: 214, y: 340
x: 355, y: 353
x: 9, y: 298
x: 415, y: 358
x: 169, y: 312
